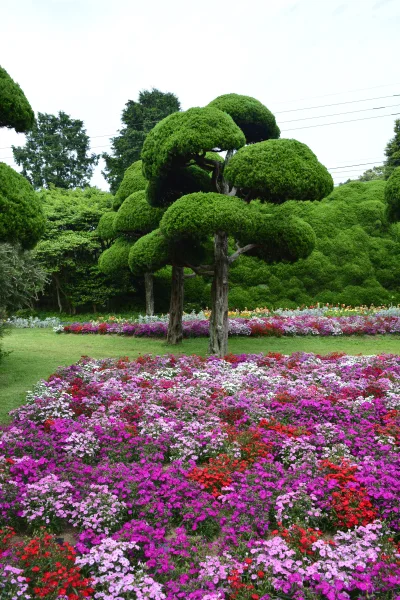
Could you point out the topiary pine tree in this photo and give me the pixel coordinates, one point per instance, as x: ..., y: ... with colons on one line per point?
x: 21, y: 216
x: 267, y: 169
x: 133, y: 219
x: 15, y: 110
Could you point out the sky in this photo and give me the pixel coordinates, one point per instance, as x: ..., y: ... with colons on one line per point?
x: 303, y: 59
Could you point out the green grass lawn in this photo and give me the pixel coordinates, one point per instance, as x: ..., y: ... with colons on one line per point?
x: 36, y: 353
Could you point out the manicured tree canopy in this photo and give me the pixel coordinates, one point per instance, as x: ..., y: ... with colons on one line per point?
x: 136, y: 216
x: 21, y: 215
x: 178, y: 182
x: 253, y: 118
x: 115, y: 258
x: 199, y: 216
x: 149, y: 254
x: 133, y: 181
x: 105, y: 228
x: 15, y: 110
x: 392, y: 195
x: 278, y: 170
x: 179, y: 137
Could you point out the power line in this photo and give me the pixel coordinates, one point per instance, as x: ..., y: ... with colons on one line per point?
x: 348, y: 121
x: 376, y: 87
x: 350, y: 112
x: 335, y: 104
x: 358, y: 165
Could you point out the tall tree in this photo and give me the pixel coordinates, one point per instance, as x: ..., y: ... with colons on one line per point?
x: 392, y: 151
x: 138, y: 119
x: 256, y: 166
x: 57, y: 152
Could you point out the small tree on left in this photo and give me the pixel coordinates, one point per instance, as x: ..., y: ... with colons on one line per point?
x: 22, y: 221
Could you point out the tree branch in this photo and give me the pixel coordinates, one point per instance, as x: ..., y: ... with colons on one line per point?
x: 240, y: 251
x: 201, y: 269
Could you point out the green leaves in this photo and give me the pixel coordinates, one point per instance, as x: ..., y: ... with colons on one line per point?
x: 278, y: 170
x: 15, y: 110
x: 138, y: 119
x: 175, y: 140
x: 253, y: 118
x: 149, y: 254
x: 132, y: 182
x: 136, y: 217
x: 21, y: 216
x: 56, y: 153
x: 392, y: 195
x: 392, y: 151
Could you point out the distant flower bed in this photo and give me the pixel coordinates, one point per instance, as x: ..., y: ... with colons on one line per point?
x: 276, y: 326
x: 33, y: 322
x: 254, y: 477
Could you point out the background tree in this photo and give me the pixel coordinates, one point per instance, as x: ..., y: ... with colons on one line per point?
x: 392, y: 151
x: 15, y: 110
x: 70, y: 249
x: 373, y: 174
x: 273, y: 170
x: 56, y: 153
x: 138, y: 119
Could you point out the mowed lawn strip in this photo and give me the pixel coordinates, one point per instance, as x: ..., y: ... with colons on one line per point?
x: 36, y: 353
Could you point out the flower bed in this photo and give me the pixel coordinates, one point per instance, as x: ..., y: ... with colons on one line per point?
x: 255, y: 477
x: 277, y: 326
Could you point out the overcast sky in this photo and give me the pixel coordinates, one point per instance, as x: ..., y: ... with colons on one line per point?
x: 89, y: 57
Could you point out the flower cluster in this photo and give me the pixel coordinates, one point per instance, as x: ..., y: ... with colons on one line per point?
x: 276, y: 325
x: 254, y: 477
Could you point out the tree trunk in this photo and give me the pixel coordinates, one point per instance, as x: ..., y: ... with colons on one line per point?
x: 149, y: 288
x: 60, y: 308
x: 219, y: 297
x: 175, y: 331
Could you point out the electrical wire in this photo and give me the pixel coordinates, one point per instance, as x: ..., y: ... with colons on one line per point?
x: 350, y: 112
x: 339, y: 122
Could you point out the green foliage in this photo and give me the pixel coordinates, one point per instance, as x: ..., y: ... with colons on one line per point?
x: 115, y: 258
x: 178, y: 182
x: 278, y: 170
x: 71, y: 247
x: 150, y: 253
x: 392, y: 151
x: 253, y: 118
x: 372, y: 174
x: 392, y: 195
x: 178, y: 137
x: 56, y: 153
x: 21, y: 278
x: 199, y: 215
x: 132, y: 182
x: 136, y: 217
x: 21, y: 216
x: 138, y: 119
x: 105, y: 228
x: 15, y: 110
x: 355, y: 260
